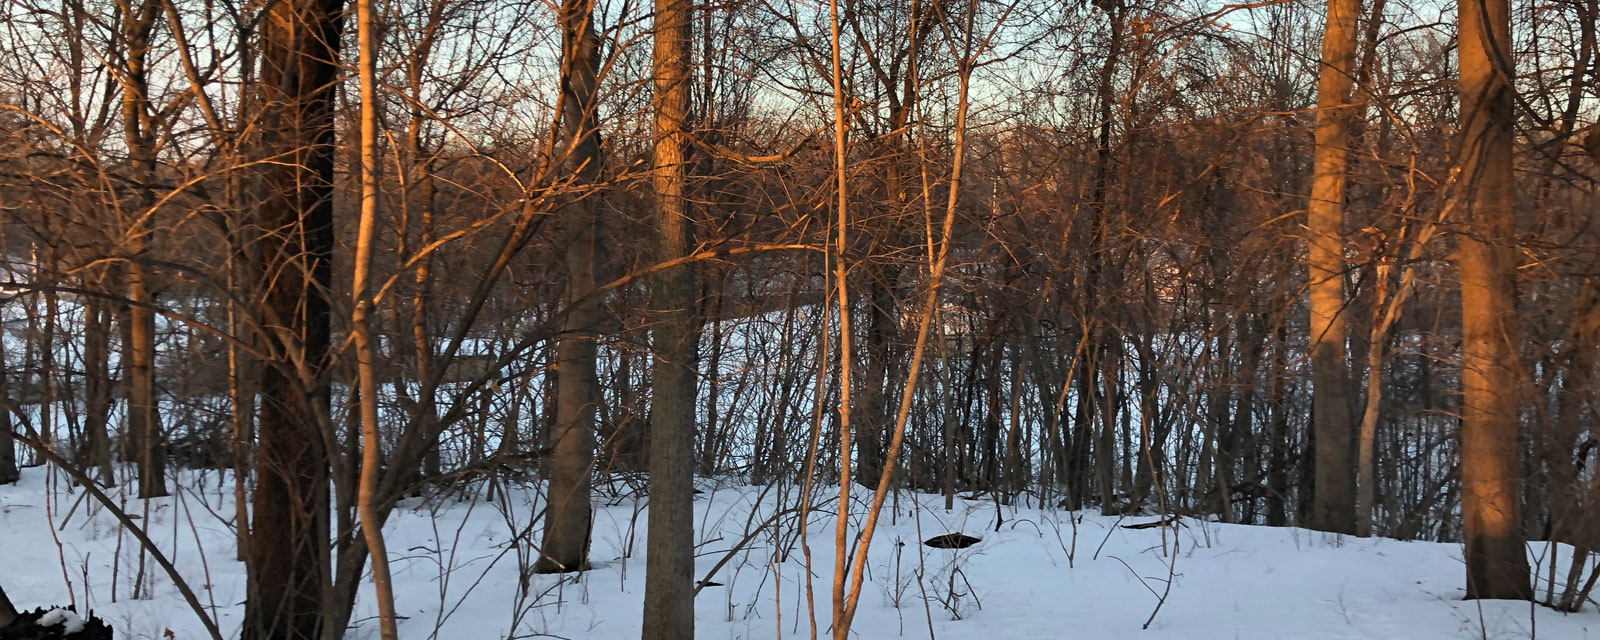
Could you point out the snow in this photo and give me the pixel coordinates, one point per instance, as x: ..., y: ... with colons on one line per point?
x: 1045, y: 573
x: 71, y: 622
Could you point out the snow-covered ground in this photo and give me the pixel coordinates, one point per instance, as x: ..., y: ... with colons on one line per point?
x: 1039, y: 576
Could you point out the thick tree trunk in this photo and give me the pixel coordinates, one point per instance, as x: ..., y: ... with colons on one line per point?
x: 669, y: 562
x: 288, y: 559
x: 1333, y: 508
x: 1491, y: 480
x: 566, y: 538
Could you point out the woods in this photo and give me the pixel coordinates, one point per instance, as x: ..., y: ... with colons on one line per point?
x: 1328, y: 266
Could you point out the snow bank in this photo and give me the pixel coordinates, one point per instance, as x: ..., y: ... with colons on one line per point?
x: 1044, y: 573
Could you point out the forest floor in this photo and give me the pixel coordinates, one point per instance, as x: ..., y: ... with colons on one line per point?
x: 1043, y: 574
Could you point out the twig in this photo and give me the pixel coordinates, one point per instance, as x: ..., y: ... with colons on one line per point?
x: 1172, y: 568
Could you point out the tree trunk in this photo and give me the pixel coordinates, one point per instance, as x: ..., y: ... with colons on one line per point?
x: 144, y: 418
x: 566, y: 538
x: 1491, y: 384
x: 1570, y: 507
x: 361, y: 308
x: 872, y: 411
x: 242, y: 402
x: 289, y: 549
x: 1278, y: 431
x: 1105, y: 458
x: 97, y: 388
x: 9, y: 472
x: 422, y: 182
x: 1333, y: 508
x: 669, y: 562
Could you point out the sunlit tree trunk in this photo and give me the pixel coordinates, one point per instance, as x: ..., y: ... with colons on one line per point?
x: 1491, y: 378
x: 669, y: 561
x: 1333, y: 507
x: 361, y: 308
x: 242, y: 400
x: 846, y: 602
x: 1366, y: 476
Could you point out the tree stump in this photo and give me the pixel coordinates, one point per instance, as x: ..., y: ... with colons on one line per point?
x: 55, y: 624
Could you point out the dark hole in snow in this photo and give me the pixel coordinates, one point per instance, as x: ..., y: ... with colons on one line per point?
x: 952, y: 541
x: 55, y: 624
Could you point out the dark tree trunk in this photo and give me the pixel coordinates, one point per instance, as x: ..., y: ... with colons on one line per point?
x: 872, y: 416
x: 566, y: 540
x: 144, y: 418
x: 97, y: 389
x: 9, y: 472
x: 1278, y: 432
x: 288, y: 556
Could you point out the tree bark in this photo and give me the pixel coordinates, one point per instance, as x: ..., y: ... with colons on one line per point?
x: 9, y: 473
x: 566, y: 536
x: 144, y: 418
x: 669, y: 561
x: 97, y: 388
x: 1333, y: 507
x: 288, y: 557
x: 1491, y: 480
x: 361, y: 307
